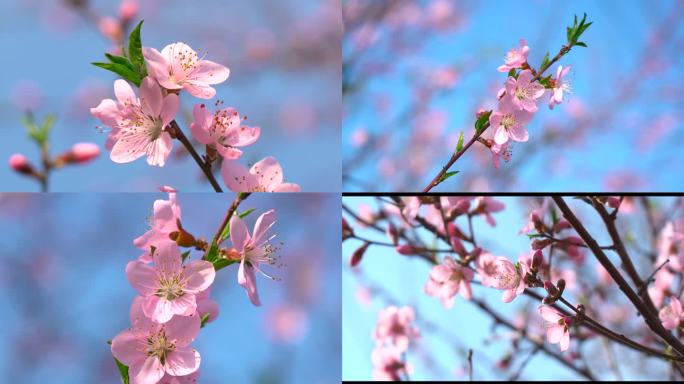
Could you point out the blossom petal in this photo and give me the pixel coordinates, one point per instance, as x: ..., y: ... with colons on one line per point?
x: 549, y: 314
x: 247, y: 280
x: 167, y: 259
x: 199, y: 89
x: 126, y: 346
x: 554, y: 333
x: 150, y: 96
x: 518, y: 133
x: 200, y: 126
x: 239, y: 235
x: 107, y: 111
x: 269, y: 173
x: 182, y: 361
x: 169, y: 109
x: 501, y: 135
x: 159, y: 150
x: 210, y: 72
x: 142, y: 277
x: 237, y: 177
x: 261, y: 227
x: 149, y: 372
x: 182, y: 330
x: 158, y: 309
x: 200, y: 275
x: 124, y: 93
x: 288, y: 187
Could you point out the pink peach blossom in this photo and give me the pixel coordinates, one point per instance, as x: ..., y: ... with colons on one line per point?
x: 515, y: 58
x: 500, y: 151
x: 560, y: 86
x: 128, y: 9
x: 388, y: 364
x: 207, y: 306
x: 168, y: 288
x: 486, y: 205
x: 395, y: 326
x: 508, y: 277
x: 177, y: 66
x: 266, y: 175
x: 151, y: 350
x: 254, y: 249
x: 138, y: 124
x: 523, y: 92
x: 557, y: 331
x: 509, y: 122
x: 672, y: 315
x: 165, y: 218
x: 448, y: 279
x: 222, y: 131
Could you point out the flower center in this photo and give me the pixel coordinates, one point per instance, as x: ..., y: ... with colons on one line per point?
x: 522, y: 93
x: 170, y: 288
x: 159, y: 346
x: 223, y: 123
x: 508, y: 120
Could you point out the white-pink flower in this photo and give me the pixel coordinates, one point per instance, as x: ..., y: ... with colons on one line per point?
x: 266, y: 175
x: 177, y: 66
x: 395, y: 325
x: 557, y: 328
x: 509, y: 277
x: 222, y: 131
x: 151, y: 350
x: 509, y: 122
x: 515, y: 58
x: 165, y: 218
x: 254, y: 249
x: 168, y: 288
x: 560, y: 86
x: 672, y: 315
x: 138, y: 124
x: 388, y: 364
x: 206, y: 306
x: 500, y: 151
x: 486, y: 205
x: 448, y: 279
x: 523, y: 92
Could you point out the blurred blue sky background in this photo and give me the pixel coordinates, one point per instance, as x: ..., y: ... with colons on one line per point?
x: 441, y: 352
x: 285, y: 76
x: 64, y: 293
x: 634, y: 146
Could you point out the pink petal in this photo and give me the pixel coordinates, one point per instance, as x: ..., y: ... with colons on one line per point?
x: 158, y: 68
x: 159, y: 150
x: 124, y: 93
x: 554, y: 333
x: 200, y: 126
x: 239, y: 235
x: 142, y: 277
x: 183, y: 361
x: 126, y: 346
x: 245, y: 135
x: 200, y: 275
x: 525, y: 77
x: 237, y: 177
x: 261, y: 227
x: 158, y: 309
x: 508, y: 295
x: 288, y: 187
x: 565, y: 341
x: 447, y: 302
x: 465, y: 290
x: 210, y: 72
x: 138, y: 318
x: 208, y: 307
x: 268, y: 172
x: 518, y: 133
x: 169, y: 109
x: 149, y: 372
x: 127, y: 151
x: 501, y: 135
x: 184, y: 305
x: 228, y: 153
x: 549, y: 314
x: 150, y: 96
x: 247, y: 280
x: 167, y: 259
x: 199, y: 89
x: 107, y: 111
x: 182, y: 330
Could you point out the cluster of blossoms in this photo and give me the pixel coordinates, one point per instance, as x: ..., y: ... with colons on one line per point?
x: 173, y: 300
x: 518, y: 100
x: 393, y: 335
x: 145, y: 125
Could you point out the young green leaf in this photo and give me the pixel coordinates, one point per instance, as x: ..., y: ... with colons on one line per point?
x: 482, y: 121
x: 446, y: 176
x: 581, y: 44
x: 185, y: 255
x: 205, y: 318
x: 459, y: 145
x: 212, y: 254
x: 245, y: 213
x: 135, y: 49
x: 120, y: 60
x: 121, y: 70
x: 222, y: 263
x: 123, y: 370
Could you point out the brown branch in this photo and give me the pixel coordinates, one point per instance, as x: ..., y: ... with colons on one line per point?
x: 177, y: 133
x: 231, y: 210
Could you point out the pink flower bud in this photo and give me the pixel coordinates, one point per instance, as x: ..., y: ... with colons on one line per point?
x: 84, y: 152
x: 347, y: 231
x: 561, y: 285
x: 561, y: 225
x: 128, y: 9
x: 358, y: 255
x: 540, y: 244
x: 480, y: 112
x: 110, y: 28
x: 457, y: 245
x: 406, y: 249
x: 20, y: 163
x: 550, y: 288
x: 537, y: 260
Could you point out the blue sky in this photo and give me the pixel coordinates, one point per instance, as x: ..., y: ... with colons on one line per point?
x: 53, y: 49
x: 616, y: 39
x: 464, y: 326
x: 64, y: 293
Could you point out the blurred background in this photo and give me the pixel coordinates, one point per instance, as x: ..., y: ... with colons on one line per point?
x: 415, y: 73
x: 385, y: 278
x: 285, y: 75
x: 64, y: 293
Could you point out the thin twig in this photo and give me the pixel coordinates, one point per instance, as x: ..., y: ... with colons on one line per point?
x: 229, y: 214
x: 177, y: 133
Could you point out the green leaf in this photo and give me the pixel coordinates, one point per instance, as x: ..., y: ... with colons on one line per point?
x: 482, y: 121
x: 513, y: 73
x: 135, y: 49
x: 581, y: 44
x: 545, y: 81
x: 446, y: 176
x: 123, y: 370
x: 459, y: 145
x: 213, y: 252
x: 185, y: 255
x: 222, y: 263
x: 534, y: 235
x: 121, y: 70
x: 245, y: 213
x: 545, y: 61
x: 120, y: 60
x: 205, y: 318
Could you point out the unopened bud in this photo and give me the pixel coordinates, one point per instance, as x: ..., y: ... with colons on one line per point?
x: 537, y: 260
x: 561, y: 286
x: 183, y: 238
x: 406, y: 249
x: 392, y: 233
x: 356, y: 257
x: 453, y: 230
x: 457, y: 246
x: 346, y: 230
x: 78, y: 154
x: 110, y: 28
x: 20, y: 164
x: 128, y: 9
x: 561, y: 225
x: 540, y: 244
x: 537, y: 221
x: 550, y: 288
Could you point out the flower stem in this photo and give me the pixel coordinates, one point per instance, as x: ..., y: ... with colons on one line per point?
x: 177, y: 133
x: 229, y: 214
